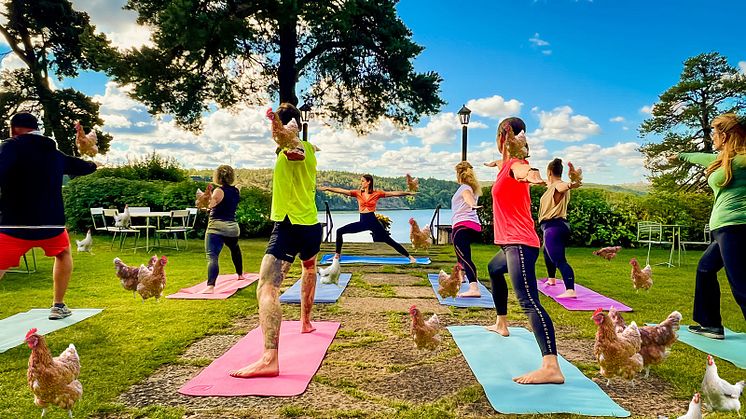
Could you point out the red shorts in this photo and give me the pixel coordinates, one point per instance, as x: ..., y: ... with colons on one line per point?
x: 12, y: 248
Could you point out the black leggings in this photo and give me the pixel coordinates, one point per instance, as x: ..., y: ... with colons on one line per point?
x: 556, y: 234
x: 726, y: 251
x: 463, y: 237
x: 369, y: 222
x: 519, y: 262
x: 213, y: 247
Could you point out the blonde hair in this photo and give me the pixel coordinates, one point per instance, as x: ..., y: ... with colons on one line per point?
x: 465, y: 175
x: 224, y: 175
x: 734, y: 130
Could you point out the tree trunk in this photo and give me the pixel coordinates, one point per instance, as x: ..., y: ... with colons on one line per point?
x: 288, y: 44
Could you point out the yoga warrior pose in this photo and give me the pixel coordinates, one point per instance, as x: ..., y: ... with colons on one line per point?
x: 465, y: 221
x: 726, y: 175
x: 515, y: 234
x: 367, y: 199
x: 296, y: 232
x: 556, y: 229
x: 222, y: 228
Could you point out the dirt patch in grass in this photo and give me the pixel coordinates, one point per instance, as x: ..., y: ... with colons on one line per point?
x: 211, y: 347
x: 576, y: 350
x: 645, y: 397
x: 391, y: 279
x: 414, y: 292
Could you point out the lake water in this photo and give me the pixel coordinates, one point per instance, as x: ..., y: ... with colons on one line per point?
x: 399, y: 222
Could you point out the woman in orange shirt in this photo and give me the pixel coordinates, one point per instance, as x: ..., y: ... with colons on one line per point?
x: 367, y: 199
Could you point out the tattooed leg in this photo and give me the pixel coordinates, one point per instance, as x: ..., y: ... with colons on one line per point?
x: 271, y: 274
x: 308, y: 291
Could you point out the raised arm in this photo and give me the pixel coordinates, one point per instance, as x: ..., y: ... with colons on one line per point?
x: 397, y: 193
x: 523, y: 172
x: 216, y: 198
x: 563, y: 187
x: 337, y: 190
x: 701, y: 159
x: 78, y: 167
x: 469, y: 198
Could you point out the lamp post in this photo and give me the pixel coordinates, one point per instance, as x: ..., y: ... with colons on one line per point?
x: 463, y: 115
x: 305, y: 115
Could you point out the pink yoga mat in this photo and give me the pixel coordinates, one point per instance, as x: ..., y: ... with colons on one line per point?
x: 300, y: 357
x: 587, y: 299
x: 225, y: 286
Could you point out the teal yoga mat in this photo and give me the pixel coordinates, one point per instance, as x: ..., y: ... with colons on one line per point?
x: 495, y: 360
x: 731, y: 349
x: 14, y: 328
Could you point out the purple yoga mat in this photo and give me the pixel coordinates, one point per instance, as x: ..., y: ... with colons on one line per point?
x: 587, y: 299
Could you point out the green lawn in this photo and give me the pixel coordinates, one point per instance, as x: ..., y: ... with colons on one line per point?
x: 130, y: 339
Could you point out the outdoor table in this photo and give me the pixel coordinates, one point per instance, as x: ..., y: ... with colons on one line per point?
x: 675, y: 242
x: 148, y: 215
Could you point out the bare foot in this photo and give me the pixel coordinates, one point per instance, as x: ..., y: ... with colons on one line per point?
x: 568, y: 294
x: 412, y: 259
x: 542, y: 376
x: 500, y: 328
x: 209, y: 290
x: 472, y: 292
x: 551, y: 281
x: 260, y: 368
x: 307, y: 328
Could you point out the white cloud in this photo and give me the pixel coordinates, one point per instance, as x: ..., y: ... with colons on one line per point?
x: 443, y: 128
x: 742, y: 66
x: 495, y: 107
x: 118, y: 24
x: 625, y: 128
x: 648, y: 109
x: 560, y: 124
x: 12, y: 62
x: 537, y: 41
x: 617, y: 119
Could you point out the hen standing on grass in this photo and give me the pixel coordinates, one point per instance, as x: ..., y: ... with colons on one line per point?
x: 718, y: 394
x: 641, y: 278
x: 656, y: 340
x: 608, y: 253
x: 152, y: 281
x: 53, y: 380
x: 424, y: 332
x: 85, y: 245
x: 695, y: 409
x: 617, y: 353
x: 128, y: 275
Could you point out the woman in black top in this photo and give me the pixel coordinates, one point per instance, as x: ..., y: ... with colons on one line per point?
x: 222, y: 227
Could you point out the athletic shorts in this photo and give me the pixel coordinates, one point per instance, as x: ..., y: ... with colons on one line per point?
x: 12, y: 248
x: 288, y: 240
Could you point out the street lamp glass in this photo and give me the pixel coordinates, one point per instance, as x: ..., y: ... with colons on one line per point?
x: 464, y: 114
x: 305, y: 112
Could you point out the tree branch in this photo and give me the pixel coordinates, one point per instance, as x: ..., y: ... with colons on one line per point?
x: 315, y: 52
x: 14, y: 45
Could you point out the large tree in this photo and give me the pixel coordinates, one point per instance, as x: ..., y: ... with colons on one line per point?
x: 351, y: 58
x: 52, y: 40
x: 708, y: 86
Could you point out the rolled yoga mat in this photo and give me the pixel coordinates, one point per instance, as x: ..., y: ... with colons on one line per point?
x: 300, y: 357
x: 495, y: 360
x: 325, y: 293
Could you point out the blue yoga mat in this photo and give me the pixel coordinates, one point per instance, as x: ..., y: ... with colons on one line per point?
x: 495, y: 360
x: 325, y: 293
x: 373, y: 260
x: 14, y: 328
x: 731, y: 349
x: 485, y: 300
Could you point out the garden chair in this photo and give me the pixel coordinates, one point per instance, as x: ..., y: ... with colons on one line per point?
x: 122, y: 231
x: 650, y: 233
x: 28, y: 270
x: 178, y: 225
x: 99, y: 221
x: 706, y: 239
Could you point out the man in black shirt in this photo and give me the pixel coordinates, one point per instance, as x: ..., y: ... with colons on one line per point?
x: 31, y: 207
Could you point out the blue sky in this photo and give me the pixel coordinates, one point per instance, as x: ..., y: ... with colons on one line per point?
x: 580, y: 73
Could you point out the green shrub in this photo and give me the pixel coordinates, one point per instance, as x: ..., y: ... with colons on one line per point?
x: 152, y: 167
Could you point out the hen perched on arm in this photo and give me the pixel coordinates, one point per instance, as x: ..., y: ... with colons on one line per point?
x: 449, y: 285
x: 53, y: 380
x: 152, y: 281
x: 86, y: 244
x: 286, y: 136
x: 517, y: 145
x: 576, y: 175
x: 641, y: 278
x: 656, y: 340
x: 695, y: 409
x: 718, y: 394
x: 617, y: 353
x: 421, y: 238
x: 608, y: 253
x: 424, y: 333
x: 87, y: 143
x: 413, y: 184
x: 203, y: 198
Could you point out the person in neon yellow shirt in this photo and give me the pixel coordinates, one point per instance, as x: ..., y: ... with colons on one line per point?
x: 726, y: 175
x: 296, y: 232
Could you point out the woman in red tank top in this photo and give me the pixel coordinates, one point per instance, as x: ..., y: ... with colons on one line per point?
x: 515, y: 234
x: 367, y: 199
